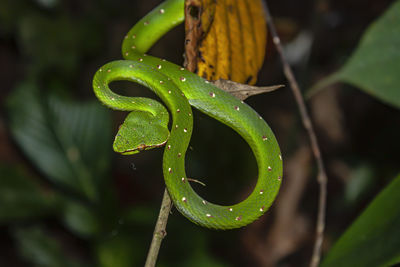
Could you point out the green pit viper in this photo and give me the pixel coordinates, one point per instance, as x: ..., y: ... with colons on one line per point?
x: 146, y: 126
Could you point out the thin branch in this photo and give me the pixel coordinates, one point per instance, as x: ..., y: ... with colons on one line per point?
x: 159, y: 230
x: 322, y: 177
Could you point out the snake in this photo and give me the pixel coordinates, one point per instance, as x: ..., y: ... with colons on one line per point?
x: 148, y: 123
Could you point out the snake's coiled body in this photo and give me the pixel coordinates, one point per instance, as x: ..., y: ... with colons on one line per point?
x: 180, y: 89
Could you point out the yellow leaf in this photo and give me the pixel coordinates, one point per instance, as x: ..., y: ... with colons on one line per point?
x: 234, y: 46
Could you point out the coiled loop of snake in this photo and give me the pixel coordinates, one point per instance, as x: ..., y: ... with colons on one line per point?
x: 146, y: 125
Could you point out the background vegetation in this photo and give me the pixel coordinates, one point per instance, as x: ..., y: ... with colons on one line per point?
x: 67, y: 200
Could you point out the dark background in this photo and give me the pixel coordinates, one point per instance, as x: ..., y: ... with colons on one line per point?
x: 58, y: 45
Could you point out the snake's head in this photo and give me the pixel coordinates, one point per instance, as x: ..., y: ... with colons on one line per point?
x: 140, y: 131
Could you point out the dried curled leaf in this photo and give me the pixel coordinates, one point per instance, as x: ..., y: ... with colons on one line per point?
x: 243, y: 91
x: 234, y: 47
x: 199, y: 15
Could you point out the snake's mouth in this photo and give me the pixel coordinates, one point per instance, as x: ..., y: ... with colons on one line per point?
x: 139, y: 148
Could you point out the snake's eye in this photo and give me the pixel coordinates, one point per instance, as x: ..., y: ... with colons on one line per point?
x: 141, y: 147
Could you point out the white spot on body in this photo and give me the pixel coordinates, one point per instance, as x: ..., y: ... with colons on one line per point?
x: 265, y: 138
x: 161, y: 82
x: 212, y: 94
x: 261, y: 192
x: 230, y: 209
x: 146, y: 23
x: 178, y: 110
x: 280, y: 157
x: 182, y: 79
x: 237, y: 108
x: 169, y: 170
x: 182, y: 68
x: 185, y: 130
x: 140, y: 59
x: 162, y: 11
x: 169, y: 147
x: 133, y: 36
x: 183, y: 179
x: 169, y: 91
x: 208, y: 215
x: 133, y: 46
x: 204, y: 202
x: 238, y: 218
x: 269, y: 168
x: 159, y: 67
x: 184, y: 199
x: 131, y: 66
x: 127, y: 54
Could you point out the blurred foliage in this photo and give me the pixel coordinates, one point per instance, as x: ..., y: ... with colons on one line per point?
x: 119, y: 251
x: 59, y: 205
x: 22, y: 198
x: 57, y: 136
x: 68, y: 143
x: 42, y: 250
x: 50, y: 40
x: 374, y: 238
x: 374, y: 65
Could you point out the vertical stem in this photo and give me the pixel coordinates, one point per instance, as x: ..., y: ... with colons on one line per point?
x: 159, y: 230
x: 305, y: 117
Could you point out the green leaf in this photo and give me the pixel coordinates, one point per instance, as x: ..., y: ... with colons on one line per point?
x: 374, y: 67
x: 69, y: 142
x: 21, y: 197
x: 374, y: 238
x: 40, y: 249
